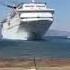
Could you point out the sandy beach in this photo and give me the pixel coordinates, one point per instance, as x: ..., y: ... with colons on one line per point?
x: 41, y: 68
x: 34, y: 64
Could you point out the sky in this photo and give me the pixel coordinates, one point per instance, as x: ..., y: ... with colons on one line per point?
x: 61, y: 15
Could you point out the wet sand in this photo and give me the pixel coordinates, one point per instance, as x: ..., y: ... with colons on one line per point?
x: 32, y: 64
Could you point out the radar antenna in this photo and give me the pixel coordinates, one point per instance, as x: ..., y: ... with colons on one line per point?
x: 9, y: 6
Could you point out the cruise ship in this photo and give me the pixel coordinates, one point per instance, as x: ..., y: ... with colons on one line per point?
x: 28, y: 21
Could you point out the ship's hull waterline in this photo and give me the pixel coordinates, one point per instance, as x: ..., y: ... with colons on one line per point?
x: 27, y: 30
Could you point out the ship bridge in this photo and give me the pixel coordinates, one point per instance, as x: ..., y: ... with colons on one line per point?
x: 34, y: 7
x: 34, y: 10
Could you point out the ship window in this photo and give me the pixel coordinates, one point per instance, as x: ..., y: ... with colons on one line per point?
x: 29, y: 6
x: 40, y: 6
x: 37, y: 11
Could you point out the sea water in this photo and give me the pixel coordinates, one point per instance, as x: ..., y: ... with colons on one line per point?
x: 50, y: 48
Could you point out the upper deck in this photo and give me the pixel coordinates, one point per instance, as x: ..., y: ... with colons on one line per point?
x: 34, y: 7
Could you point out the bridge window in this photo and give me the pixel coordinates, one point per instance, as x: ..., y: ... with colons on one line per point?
x: 29, y: 6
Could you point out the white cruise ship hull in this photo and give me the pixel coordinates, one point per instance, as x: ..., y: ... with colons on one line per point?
x: 28, y: 21
x: 28, y: 29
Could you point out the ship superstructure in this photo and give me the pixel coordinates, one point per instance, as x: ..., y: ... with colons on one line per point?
x: 28, y: 21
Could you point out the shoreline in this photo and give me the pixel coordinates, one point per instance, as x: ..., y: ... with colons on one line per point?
x: 29, y: 62
x: 34, y: 64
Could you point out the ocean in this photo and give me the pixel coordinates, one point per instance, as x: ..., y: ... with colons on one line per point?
x: 50, y: 48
